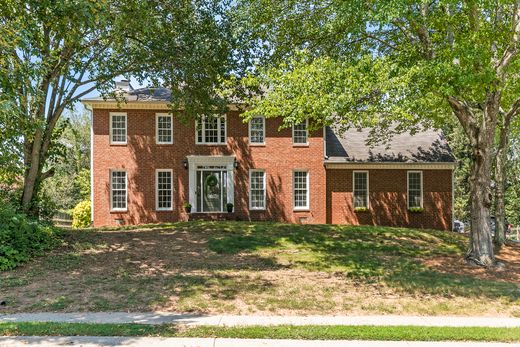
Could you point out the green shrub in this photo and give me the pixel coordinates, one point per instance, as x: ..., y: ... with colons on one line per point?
x: 81, y: 215
x: 22, y: 238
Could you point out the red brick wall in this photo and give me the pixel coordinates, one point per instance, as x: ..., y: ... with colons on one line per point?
x: 142, y: 156
x: 388, y: 199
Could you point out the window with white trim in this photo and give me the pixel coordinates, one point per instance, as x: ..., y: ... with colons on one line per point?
x: 164, y: 129
x: 118, y: 190
x: 257, y: 189
x: 163, y: 190
x: 211, y: 130
x: 257, y: 130
x: 300, y: 133
x: 300, y: 190
x: 415, y: 189
x: 360, y: 188
x: 118, y: 126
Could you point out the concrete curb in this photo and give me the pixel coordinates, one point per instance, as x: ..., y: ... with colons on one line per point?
x: 228, y: 320
x: 93, y: 341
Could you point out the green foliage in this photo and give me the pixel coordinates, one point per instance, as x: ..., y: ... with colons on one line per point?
x: 361, y: 209
x: 82, y: 181
x: 22, y: 238
x: 81, y: 215
x: 416, y: 209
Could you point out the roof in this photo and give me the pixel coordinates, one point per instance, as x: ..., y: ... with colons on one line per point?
x: 141, y: 95
x: 350, y: 146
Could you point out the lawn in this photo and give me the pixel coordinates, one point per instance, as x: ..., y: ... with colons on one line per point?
x: 264, y: 268
x: 386, y: 333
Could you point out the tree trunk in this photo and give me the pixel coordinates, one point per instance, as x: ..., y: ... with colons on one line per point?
x: 32, y: 173
x: 481, y: 245
x: 500, y: 209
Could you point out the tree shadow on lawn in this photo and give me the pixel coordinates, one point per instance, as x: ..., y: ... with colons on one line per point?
x: 369, y: 254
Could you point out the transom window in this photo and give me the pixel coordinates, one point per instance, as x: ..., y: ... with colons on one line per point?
x: 360, y: 189
x: 415, y: 189
x: 257, y: 130
x: 118, y: 190
x: 163, y: 179
x: 301, y: 190
x: 257, y: 189
x: 164, y: 129
x: 118, y: 127
x: 300, y: 133
x: 211, y: 130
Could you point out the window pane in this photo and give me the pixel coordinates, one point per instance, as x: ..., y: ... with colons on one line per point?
x: 257, y: 190
x: 118, y: 128
x: 414, y: 189
x: 300, y: 189
x: 257, y: 130
x: 164, y: 129
x: 360, y: 189
x: 300, y: 133
x: 118, y: 184
x: 211, y: 129
x: 164, y: 190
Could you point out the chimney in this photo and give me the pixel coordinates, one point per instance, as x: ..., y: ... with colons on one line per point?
x: 123, y: 85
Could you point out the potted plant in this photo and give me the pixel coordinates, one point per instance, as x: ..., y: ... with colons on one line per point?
x: 187, y: 207
x: 229, y: 207
x: 416, y: 209
x: 361, y: 209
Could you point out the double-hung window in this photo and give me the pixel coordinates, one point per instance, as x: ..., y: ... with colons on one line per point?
x: 257, y: 130
x: 257, y: 189
x: 300, y: 190
x: 118, y: 126
x: 163, y: 190
x: 164, y: 128
x: 415, y: 189
x: 360, y: 189
x: 211, y: 130
x: 118, y: 190
x: 300, y: 133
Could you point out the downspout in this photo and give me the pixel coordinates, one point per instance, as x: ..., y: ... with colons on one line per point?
x: 89, y: 108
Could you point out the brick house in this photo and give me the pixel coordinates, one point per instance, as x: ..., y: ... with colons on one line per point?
x: 146, y: 164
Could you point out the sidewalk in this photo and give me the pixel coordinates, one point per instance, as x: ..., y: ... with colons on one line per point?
x: 91, y: 341
x: 225, y: 320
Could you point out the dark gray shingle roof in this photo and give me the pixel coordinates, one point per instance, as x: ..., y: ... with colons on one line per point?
x: 428, y: 146
x: 141, y: 94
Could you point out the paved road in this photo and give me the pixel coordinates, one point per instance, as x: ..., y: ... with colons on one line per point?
x: 87, y: 341
x: 224, y: 320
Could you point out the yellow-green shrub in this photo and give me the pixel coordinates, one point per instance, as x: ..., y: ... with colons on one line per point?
x: 81, y: 215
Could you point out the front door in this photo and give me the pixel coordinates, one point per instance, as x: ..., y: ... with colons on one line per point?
x: 211, y: 190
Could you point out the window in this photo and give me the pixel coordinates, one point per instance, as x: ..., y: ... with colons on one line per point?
x: 301, y: 190
x: 300, y: 133
x: 163, y: 190
x: 257, y: 130
x: 164, y: 129
x: 257, y: 190
x: 211, y: 130
x: 118, y: 128
x: 360, y: 188
x: 118, y: 194
x: 415, y: 198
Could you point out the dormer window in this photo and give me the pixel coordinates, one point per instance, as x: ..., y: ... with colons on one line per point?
x: 211, y: 130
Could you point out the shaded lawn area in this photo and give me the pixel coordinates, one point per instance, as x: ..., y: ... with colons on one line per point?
x: 384, y: 333
x: 264, y: 268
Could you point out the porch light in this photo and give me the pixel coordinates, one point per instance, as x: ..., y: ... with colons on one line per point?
x: 235, y: 163
x: 185, y: 163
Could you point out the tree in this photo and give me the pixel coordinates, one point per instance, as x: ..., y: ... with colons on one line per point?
x: 54, y: 52
x: 414, y: 63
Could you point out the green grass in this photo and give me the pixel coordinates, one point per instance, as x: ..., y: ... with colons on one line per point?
x: 85, y: 329
x: 260, y: 267
x: 387, y: 333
